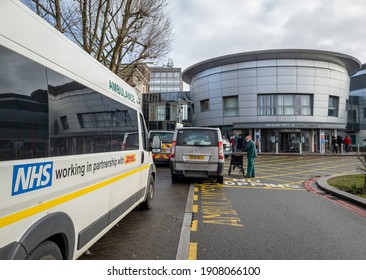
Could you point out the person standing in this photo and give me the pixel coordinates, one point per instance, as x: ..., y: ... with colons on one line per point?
x: 239, y: 144
x: 251, y: 155
x: 233, y: 143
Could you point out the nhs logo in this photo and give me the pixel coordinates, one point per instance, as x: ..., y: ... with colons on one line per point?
x: 31, y: 177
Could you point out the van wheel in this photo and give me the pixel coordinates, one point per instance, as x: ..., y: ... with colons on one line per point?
x: 175, y: 178
x: 148, y: 203
x: 220, y: 179
x: 47, y: 250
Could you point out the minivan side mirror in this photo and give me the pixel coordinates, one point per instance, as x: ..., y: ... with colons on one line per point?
x: 156, y: 143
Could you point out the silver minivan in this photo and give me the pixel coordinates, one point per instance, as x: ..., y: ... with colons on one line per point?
x: 197, y: 152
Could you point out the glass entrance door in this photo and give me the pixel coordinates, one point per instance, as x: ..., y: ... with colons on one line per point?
x: 290, y: 142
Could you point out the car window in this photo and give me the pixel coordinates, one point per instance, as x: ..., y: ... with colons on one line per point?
x: 196, y: 137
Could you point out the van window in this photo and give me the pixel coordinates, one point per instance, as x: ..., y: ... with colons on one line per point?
x: 165, y: 137
x: 44, y: 113
x: 197, y: 137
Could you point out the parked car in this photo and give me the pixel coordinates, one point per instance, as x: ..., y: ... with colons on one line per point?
x: 197, y: 152
x: 227, y: 148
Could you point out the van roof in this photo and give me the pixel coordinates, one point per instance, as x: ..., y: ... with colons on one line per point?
x: 198, y: 128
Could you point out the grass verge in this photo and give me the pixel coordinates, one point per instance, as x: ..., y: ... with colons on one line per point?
x: 350, y: 183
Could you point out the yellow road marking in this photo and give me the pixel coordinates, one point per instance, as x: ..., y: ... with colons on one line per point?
x: 192, y: 254
x: 216, y: 207
x: 195, y: 208
x: 194, y: 225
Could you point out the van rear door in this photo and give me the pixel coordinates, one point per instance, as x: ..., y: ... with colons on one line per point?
x: 196, y: 148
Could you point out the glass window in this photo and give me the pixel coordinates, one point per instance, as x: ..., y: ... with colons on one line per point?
x: 286, y: 104
x: 266, y: 105
x: 64, y: 122
x: 205, y: 105
x: 197, y: 137
x: 96, y: 123
x: 24, y: 120
x: 166, y: 137
x: 231, y: 107
x: 333, y: 104
x: 305, y: 105
x: 161, y: 112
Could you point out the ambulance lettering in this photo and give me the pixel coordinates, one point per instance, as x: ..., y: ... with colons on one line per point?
x: 31, y: 177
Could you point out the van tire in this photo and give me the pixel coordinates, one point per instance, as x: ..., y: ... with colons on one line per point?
x: 47, y: 250
x: 147, y: 204
x: 220, y: 179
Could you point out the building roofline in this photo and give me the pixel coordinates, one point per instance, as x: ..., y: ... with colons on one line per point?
x: 350, y: 63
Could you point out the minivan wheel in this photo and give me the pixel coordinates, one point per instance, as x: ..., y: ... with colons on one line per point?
x: 47, y: 250
x: 147, y: 204
x: 220, y: 179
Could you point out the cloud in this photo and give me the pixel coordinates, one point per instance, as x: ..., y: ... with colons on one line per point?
x: 206, y: 29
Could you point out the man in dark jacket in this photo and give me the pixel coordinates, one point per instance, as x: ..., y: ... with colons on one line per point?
x: 251, y: 155
x: 340, y: 142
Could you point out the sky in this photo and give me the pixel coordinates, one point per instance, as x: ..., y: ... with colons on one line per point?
x: 205, y: 29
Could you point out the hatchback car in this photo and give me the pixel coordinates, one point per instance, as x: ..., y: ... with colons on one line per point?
x: 227, y: 148
x: 197, y: 152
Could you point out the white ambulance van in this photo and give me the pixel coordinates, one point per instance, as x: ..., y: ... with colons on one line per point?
x: 65, y: 179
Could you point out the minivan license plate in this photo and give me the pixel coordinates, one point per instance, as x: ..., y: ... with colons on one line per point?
x: 197, y: 157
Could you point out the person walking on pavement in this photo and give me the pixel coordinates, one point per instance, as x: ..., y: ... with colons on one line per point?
x: 340, y: 142
x: 251, y: 155
x: 334, y: 145
x: 347, y: 143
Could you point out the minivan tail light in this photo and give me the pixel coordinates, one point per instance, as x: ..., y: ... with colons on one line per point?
x: 172, y: 152
x: 221, y: 151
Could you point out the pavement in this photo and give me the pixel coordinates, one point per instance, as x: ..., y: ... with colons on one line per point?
x: 322, y: 182
x: 323, y: 185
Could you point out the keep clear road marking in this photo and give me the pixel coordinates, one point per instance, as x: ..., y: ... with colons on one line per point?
x: 254, y: 183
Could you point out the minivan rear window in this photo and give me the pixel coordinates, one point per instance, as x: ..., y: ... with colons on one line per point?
x: 197, y: 137
x: 165, y: 137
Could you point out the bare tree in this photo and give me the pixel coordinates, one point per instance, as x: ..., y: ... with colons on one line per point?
x: 58, y: 13
x: 115, y: 32
x: 361, y: 156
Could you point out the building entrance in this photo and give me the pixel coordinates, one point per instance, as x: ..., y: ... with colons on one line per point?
x: 290, y: 142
